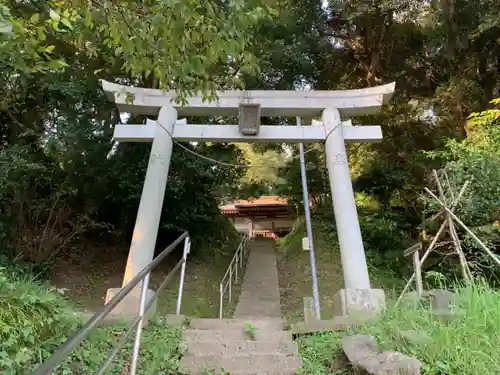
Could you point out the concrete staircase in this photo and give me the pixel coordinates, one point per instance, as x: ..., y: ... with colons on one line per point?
x: 254, y: 342
x: 260, y: 295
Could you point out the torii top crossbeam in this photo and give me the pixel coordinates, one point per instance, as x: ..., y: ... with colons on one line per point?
x: 273, y: 103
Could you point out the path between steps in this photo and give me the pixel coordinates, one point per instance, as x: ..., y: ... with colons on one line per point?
x: 215, y: 344
x: 260, y: 296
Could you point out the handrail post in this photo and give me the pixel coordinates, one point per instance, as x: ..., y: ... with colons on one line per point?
x: 221, y: 299
x: 236, y: 266
x: 138, y: 331
x: 230, y: 282
x: 187, y: 247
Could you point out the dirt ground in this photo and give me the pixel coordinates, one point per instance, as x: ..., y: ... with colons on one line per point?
x: 87, y: 278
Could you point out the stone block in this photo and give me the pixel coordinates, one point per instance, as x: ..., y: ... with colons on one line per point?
x: 444, y: 315
x: 128, y: 308
x: 175, y: 320
x: 442, y: 299
x: 338, y: 323
x: 363, y: 302
x: 309, y: 313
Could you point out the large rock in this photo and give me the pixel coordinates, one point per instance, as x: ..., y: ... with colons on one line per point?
x: 362, y: 351
x: 359, y: 348
x: 392, y: 363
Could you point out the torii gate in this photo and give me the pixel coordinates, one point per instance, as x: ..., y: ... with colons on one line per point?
x: 250, y: 105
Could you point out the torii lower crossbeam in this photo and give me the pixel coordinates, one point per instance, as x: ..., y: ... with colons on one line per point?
x: 230, y: 133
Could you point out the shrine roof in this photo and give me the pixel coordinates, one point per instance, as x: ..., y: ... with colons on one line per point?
x: 261, y: 203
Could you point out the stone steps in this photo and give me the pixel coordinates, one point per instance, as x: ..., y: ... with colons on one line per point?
x: 235, y: 335
x: 216, y: 344
x: 272, y: 364
x: 236, y: 324
x: 231, y: 348
x: 259, y: 296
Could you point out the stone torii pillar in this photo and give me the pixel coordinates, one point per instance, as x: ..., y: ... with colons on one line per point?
x: 143, y: 243
x: 357, y: 294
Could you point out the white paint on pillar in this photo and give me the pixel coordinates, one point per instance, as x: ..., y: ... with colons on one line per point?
x: 148, y: 216
x: 346, y: 218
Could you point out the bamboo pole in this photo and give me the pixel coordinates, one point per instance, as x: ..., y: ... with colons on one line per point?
x: 418, y: 273
x: 458, y: 247
x: 449, y: 185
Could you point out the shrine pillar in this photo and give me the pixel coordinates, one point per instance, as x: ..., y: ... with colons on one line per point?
x: 357, y: 294
x: 143, y: 243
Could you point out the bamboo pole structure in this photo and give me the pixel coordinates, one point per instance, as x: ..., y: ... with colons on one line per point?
x: 459, y: 222
x: 435, y: 239
x: 451, y: 228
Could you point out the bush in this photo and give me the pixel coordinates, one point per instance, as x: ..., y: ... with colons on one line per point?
x: 385, y: 237
x: 33, y: 320
x: 36, y: 319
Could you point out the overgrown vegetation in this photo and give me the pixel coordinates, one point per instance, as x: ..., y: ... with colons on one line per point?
x: 467, y: 345
x: 36, y: 319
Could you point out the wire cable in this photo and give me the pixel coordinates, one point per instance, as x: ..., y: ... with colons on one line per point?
x: 215, y: 161
x: 231, y: 165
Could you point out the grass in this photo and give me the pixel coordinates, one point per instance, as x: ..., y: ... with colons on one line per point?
x: 201, y: 288
x: 160, y: 353
x: 294, y: 272
x: 322, y: 354
x: 466, y: 346
x: 35, y: 319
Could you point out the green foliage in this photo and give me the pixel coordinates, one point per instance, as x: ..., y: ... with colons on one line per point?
x: 385, y: 235
x: 476, y: 159
x: 321, y: 353
x: 184, y: 45
x: 33, y: 320
x: 160, y: 351
x: 448, y: 348
x: 36, y: 319
x: 62, y: 183
x: 24, y: 47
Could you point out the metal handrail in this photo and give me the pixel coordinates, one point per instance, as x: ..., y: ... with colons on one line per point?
x: 232, y: 272
x: 48, y: 366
